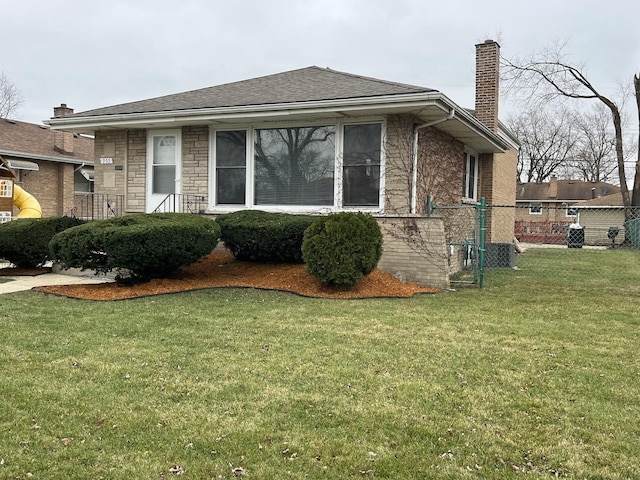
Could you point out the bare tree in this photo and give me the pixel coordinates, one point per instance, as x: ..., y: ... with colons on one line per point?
x: 547, y: 76
x: 595, y: 153
x: 548, y: 140
x: 10, y: 96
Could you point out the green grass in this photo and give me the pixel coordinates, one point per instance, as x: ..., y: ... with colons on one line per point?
x: 538, y: 374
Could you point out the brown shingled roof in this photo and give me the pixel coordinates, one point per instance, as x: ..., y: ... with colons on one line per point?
x: 31, y: 141
x: 302, y: 85
x: 568, y: 190
x: 613, y: 200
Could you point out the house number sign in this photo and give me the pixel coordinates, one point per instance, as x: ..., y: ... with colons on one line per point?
x: 106, y: 160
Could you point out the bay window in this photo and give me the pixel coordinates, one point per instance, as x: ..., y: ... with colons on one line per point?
x: 316, y: 166
x: 294, y: 166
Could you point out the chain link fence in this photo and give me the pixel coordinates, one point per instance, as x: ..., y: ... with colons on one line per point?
x: 483, y: 238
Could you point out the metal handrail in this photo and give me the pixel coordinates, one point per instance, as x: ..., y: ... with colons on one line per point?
x: 182, y: 203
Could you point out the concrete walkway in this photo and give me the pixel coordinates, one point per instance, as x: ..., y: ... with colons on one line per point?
x: 21, y: 283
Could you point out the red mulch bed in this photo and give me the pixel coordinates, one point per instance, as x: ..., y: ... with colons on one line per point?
x: 222, y: 270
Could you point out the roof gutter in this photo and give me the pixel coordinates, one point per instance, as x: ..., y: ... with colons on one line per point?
x: 35, y: 156
x: 414, y: 179
x: 79, y: 120
x: 384, y: 104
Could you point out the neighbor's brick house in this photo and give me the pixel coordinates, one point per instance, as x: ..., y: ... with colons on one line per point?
x: 314, y: 140
x: 52, y: 165
x: 545, y: 210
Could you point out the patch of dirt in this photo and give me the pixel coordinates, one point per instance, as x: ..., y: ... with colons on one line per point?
x: 221, y: 269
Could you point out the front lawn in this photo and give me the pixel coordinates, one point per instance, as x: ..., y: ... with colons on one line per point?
x: 537, y: 374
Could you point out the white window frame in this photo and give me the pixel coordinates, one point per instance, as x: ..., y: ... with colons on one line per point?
x: 213, y: 168
x: 337, y: 174
x: 466, y: 198
x: 537, y: 206
x: 339, y: 165
x: 6, y: 188
x: 569, y: 208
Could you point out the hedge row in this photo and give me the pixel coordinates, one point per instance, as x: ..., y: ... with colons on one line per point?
x: 260, y: 236
x: 338, y: 249
x: 25, y: 241
x: 139, y: 246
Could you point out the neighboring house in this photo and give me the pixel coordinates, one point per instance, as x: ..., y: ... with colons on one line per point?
x: 53, y: 166
x: 545, y: 210
x: 314, y: 140
x: 600, y: 214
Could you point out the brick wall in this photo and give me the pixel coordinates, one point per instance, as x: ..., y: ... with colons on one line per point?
x: 51, y: 186
x: 399, y: 163
x: 195, y: 161
x: 497, y: 173
x: 127, y: 174
x: 440, y: 162
x: 414, y: 249
x: 107, y: 178
x: 500, y: 221
x: 136, y: 194
x: 487, y: 83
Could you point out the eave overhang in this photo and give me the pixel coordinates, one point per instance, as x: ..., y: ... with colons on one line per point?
x: 50, y: 158
x: 427, y: 107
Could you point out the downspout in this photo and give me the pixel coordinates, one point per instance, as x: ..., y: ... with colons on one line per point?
x: 125, y: 200
x: 414, y: 179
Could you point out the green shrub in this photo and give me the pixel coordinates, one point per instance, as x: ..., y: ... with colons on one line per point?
x: 342, y: 248
x: 25, y: 241
x: 263, y: 236
x: 145, y: 245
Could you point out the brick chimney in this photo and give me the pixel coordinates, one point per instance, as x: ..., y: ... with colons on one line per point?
x: 553, y: 187
x: 487, y: 83
x: 62, y: 140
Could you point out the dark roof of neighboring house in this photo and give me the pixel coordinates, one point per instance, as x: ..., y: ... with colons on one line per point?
x: 36, y: 142
x: 567, y: 190
x: 613, y: 200
x: 302, y: 85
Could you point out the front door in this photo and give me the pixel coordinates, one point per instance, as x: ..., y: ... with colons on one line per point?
x: 164, y: 154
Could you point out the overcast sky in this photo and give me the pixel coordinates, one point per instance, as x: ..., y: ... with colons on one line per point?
x: 94, y: 54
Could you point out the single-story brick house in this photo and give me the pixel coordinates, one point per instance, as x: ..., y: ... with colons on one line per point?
x: 51, y: 165
x: 313, y: 140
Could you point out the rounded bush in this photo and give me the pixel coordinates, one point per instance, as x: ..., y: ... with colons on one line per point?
x: 25, y: 241
x: 260, y: 236
x: 146, y: 246
x: 342, y: 248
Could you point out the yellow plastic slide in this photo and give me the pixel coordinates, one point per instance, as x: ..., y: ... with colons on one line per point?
x: 28, y: 205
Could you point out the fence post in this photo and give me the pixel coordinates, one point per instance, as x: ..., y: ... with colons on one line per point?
x: 483, y: 209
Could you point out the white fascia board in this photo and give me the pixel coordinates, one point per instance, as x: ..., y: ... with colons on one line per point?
x: 339, y: 107
x: 244, y: 111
